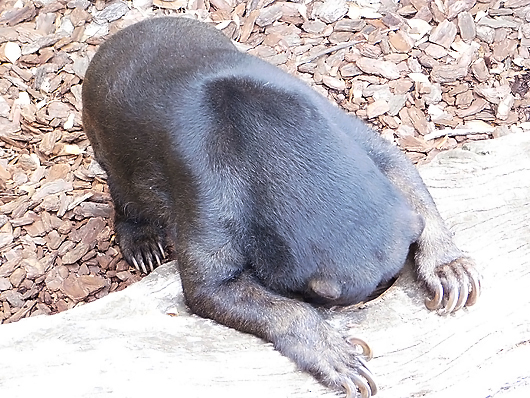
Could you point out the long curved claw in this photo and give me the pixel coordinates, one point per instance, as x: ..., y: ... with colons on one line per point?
x: 140, y: 267
x: 436, y: 302
x: 149, y: 261
x: 453, y: 293
x: 365, y: 372
x: 362, y: 386
x: 462, y: 294
x: 350, y: 392
x: 157, y: 258
x: 475, y: 288
x: 162, y: 251
x: 367, y: 351
x: 144, y: 268
x: 151, y: 265
x: 135, y: 263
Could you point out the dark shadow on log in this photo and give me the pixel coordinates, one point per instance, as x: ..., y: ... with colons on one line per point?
x: 142, y: 342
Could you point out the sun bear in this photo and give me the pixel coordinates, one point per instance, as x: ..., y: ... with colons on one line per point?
x: 271, y: 198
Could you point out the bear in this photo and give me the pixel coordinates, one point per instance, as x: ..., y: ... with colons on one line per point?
x: 272, y: 199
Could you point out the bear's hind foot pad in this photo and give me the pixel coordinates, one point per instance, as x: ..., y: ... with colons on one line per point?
x: 459, y: 281
x: 142, y: 244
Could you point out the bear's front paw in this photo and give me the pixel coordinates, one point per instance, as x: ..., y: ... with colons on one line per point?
x: 142, y: 244
x: 334, y: 361
x: 455, y: 285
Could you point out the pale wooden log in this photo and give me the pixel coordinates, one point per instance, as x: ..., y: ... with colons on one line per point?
x: 126, y: 344
x: 483, y: 193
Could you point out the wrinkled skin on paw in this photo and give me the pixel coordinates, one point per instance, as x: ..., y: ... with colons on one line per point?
x: 455, y: 285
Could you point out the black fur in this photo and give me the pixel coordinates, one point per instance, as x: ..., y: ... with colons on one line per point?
x: 265, y: 189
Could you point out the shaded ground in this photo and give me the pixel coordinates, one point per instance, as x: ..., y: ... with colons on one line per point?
x: 427, y: 75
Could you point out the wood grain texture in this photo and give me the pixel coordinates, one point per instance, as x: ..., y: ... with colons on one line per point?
x: 483, y: 193
x: 126, y: 344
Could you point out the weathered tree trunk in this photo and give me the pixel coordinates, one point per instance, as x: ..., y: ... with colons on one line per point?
x: 126, y: 345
